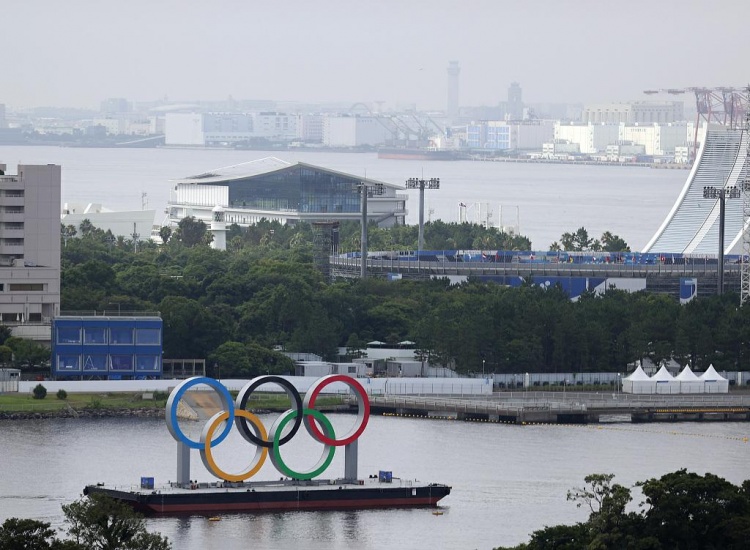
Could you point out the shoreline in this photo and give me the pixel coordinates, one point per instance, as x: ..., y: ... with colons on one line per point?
x: 83, y: 413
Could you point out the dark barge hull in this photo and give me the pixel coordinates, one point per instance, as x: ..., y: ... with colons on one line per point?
x: 276, y: 499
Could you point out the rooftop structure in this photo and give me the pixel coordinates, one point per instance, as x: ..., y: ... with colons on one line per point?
x: 276, y: 190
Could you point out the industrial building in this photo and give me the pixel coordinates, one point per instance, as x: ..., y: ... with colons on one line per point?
x: 276, y: 190
x: 635, y: 112
x: 30, y: 249
x: 502, y: 135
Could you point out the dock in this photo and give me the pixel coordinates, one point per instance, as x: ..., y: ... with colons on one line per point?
x: 569, y: 408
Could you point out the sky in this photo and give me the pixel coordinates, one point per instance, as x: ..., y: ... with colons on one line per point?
x: 75, y: 53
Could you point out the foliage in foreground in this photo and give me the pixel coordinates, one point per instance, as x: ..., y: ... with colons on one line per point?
x: 681, y: 510
x: 94, y: 523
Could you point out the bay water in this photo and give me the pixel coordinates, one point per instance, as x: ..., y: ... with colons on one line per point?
x: 507, y: 480
x: 541, y: 200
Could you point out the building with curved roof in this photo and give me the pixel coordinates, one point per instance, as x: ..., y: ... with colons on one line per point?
x: 692, y: 226
x: 276, y: 190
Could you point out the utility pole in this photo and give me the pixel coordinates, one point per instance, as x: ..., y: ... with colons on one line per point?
x: 422, y: 184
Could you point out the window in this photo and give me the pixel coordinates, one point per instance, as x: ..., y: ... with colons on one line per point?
x: 121, y: 362
x: 147, y: 336
x: 26, y: 287
x: 68, y: 363
x: 121, y: 336
x: 94, y: 335
x: 94, y: 362
x: 147, y: 363
x: 68, y: 335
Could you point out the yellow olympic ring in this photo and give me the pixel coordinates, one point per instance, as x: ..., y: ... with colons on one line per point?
x: 261, y: 453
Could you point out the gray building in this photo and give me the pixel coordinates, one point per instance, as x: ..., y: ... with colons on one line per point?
x: 30, y: 249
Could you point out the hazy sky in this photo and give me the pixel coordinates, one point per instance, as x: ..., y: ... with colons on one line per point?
x: 78, y: 52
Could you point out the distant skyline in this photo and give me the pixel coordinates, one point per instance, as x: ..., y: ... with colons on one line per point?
x: 79, y: 52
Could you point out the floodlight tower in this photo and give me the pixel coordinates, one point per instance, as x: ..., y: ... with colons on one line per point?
x: 366, y: 189
x: 721, y: 193
x: 422, y: 184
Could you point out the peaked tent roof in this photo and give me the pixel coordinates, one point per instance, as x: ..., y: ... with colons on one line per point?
x: 711, y: 374
x: 663, y: 374
x: 687, y: 375
x: 638, y: 374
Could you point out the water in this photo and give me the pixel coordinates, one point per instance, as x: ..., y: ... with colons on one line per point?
x: 548, y: 199
x: 507, y: 480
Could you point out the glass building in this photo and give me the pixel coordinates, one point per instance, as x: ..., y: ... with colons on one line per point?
x: 277, y: 190
x: 107, y: 348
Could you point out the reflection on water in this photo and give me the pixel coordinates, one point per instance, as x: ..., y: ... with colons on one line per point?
x: 507, y: 480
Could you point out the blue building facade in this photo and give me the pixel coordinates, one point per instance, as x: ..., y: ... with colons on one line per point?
x: 107, y: 348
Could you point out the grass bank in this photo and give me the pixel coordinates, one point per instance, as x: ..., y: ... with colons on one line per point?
x: 25, y: 403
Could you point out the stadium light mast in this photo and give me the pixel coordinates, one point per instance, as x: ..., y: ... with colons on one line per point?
x: 366, y: 190
x: 721, y: 193
x: 422, y: 184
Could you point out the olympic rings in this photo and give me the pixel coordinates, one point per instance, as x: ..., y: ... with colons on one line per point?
x: 252, y: 430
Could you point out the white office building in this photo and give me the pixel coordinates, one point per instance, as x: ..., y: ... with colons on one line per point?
x: 207, y: 128
x: 30, y: 249
x: 592, y: 138
x: 657, y: 139
x: 354, y: 131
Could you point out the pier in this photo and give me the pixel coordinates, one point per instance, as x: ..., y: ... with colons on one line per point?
x: 569, y: 408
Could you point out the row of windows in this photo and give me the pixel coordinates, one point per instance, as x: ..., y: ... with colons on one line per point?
x: 121, y: 336
x: 102, y: 363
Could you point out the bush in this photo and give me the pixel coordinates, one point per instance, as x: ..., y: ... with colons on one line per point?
x: 160, y: 395
x: 62, y: 394
x: 39, y: 391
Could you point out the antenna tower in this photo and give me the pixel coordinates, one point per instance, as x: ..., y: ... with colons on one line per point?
x: 745, y: 266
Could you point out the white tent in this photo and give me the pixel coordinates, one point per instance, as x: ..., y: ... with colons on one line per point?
x: 689, y: 382
x: 665, y: 382
x: 714, y: 382
x: 638, y: 382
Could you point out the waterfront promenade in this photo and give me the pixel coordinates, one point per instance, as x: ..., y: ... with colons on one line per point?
x: 570, y: 407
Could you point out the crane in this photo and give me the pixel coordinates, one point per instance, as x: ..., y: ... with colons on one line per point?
x: 720, y: 105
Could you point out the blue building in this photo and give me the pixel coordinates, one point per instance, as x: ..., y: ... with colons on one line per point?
x: 107, y: 348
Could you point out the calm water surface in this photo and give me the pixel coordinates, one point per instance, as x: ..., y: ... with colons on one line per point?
x: 549, y: 199
x: 507, y: 480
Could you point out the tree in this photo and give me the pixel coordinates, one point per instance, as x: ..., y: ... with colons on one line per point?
x: 579, y: 241
x: 102, y: 523
x: 576, y: 241
x: 682, y: 510
x: 190, y: 231
x: 30, y: 534
x: 165, y: 233
x: 613, y: 243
